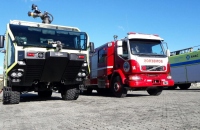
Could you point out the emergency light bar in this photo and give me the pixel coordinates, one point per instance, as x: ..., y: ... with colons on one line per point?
x: 134, y: 35
x: 130, y: 33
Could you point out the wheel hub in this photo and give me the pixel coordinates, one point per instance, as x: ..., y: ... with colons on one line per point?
x: 117, y: 87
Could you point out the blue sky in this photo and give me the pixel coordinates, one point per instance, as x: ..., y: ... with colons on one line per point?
x: 176, y: 21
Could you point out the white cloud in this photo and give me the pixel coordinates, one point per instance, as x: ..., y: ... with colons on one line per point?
x: 1, y: 67
x: 121, y: 28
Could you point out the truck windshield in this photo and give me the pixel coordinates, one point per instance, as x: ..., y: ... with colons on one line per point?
x: 39, y: 37
x: 146, y: 47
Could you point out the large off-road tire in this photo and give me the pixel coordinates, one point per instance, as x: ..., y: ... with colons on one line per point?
x: 117, y: 88
x: 155, y: 91
x: 70, y: 94
x: 15, y: 97
x: 11, y: 97
x: 6, y: 97
x: 45, y: 94
x: 184, y: 86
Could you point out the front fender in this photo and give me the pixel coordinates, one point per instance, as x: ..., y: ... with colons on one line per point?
x: 119, y: 73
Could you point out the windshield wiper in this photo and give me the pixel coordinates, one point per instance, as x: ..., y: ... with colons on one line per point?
x: 149, y: 54
x: 42, y: 46
x: 155, y: 54
x: 141, y: 54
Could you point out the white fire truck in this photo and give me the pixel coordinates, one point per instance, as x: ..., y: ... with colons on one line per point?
x: 185, y: 67
x: 139, y: 61
x: 43, y: 57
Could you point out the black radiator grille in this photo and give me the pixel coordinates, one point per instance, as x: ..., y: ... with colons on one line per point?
x: 33, y: 72
x: 72, y: 70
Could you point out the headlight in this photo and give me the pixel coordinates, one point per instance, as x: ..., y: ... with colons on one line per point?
x: 13, y: 74
x: 136, y: 78
x: 16, y: 74
x: 19, y: 74
x: 83, y: 74
x: 16, y: 80
x: 84, y: 64
x: 21, y: 63
x: 78, y: 79
x: 79, y: 74
x: 22, y: 70
x: 169, y: 77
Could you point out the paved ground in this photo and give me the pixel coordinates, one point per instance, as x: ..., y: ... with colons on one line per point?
x: 172, y: 110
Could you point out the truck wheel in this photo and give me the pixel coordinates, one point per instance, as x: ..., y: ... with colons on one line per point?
x: 117, y: 88
x: 45, y: 94
x: 15, y: 97
x: 10, y: 97
x: 155, y: 91
x: 184, y: 86
x: 70, y: 94
x: 6, y: 97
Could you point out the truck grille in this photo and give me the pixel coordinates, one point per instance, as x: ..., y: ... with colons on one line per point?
x: 154, y: 68
x: 33, y: 72
x: 72, y: 70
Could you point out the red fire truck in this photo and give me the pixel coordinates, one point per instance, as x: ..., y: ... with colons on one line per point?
x: 137, y: 62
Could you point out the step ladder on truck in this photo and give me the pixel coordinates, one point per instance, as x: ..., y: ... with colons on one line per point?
x: 43, y: 57
x: 136, y: 62
x: 185, y: 67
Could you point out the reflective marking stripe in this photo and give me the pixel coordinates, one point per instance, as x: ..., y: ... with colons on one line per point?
x: 105, y: 68
x: 185, y: 63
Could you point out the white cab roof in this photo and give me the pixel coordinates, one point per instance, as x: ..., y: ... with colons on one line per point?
x: 143, y: 36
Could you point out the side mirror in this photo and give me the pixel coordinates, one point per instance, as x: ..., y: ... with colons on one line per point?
x: 1, y: 41
x: 168, y: 53
x: 91, y: 44
x: 119, y: 48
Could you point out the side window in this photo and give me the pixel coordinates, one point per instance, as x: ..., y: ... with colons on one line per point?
x: 77, y: 42
x: 102, y: 56
x: 80, y: 42
x: 11, y: 52
x: 5, y: 46
x: 83, y: 41
x: 125, y: 48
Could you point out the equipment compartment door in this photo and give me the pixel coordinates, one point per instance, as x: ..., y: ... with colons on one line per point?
x: 179, y: 74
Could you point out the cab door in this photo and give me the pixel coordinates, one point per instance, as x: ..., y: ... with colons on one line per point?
x: 101, y: 67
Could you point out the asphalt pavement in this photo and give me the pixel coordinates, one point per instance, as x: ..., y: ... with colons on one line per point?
x: 172, y: 110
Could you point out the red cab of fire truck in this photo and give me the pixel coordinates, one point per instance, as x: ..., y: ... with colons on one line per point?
x: 137, y: 62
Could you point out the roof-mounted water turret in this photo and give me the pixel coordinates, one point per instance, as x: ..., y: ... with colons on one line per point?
x: 46, y: 17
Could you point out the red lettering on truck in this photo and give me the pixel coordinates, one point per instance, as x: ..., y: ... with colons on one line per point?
x: 153, y: 61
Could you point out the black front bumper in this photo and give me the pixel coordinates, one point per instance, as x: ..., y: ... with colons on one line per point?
x: 52, y: 67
